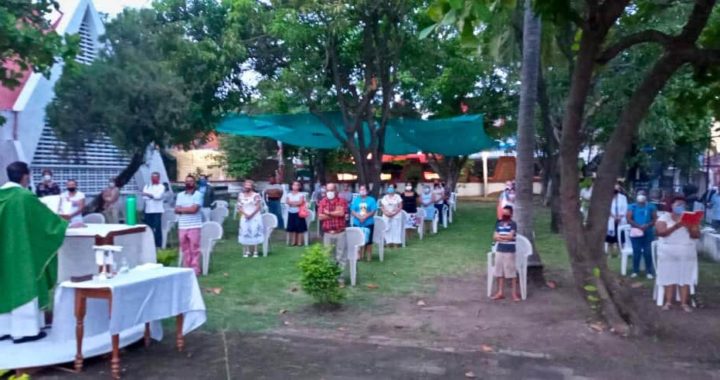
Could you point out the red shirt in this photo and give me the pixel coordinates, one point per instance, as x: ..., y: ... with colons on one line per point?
x: 333, y: 223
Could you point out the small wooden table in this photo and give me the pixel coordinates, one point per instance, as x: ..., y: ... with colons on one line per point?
x: 81, y: 296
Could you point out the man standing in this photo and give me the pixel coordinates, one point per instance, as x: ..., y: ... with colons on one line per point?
x: 153, y: 197
x: 30, y: 235
x: 208, y: 197
x: 47, y: 186
x: 110, y: 197
x: 331, y: 214
x: 187, y: 207
x: 273, y: 195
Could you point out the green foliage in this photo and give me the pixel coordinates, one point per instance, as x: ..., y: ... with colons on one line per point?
x: 319, y: 275
x: 239, y: 155
x: 167, y: 257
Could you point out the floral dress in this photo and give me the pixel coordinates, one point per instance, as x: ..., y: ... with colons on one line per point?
x: 252, y: 231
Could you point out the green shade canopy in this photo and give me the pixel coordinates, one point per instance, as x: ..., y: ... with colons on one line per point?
x: 455, y: 136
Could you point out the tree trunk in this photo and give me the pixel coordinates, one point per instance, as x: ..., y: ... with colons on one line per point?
x: 448, y: 168
x: 526, y: 129
x: 122, y: 179
x: 551, y: 172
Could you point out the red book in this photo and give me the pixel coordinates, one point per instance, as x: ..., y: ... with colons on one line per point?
x: 692, y: 218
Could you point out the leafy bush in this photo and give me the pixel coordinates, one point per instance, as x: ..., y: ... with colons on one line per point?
x: 319, y: 275
x: 167, y: 257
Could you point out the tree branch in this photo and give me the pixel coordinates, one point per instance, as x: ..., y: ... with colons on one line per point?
x: 631, y: 40
x: 697, y: 20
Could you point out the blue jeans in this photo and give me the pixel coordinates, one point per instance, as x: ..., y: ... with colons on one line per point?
x: 154, y: 221
x: 642, y: 247
x: 275, y: 208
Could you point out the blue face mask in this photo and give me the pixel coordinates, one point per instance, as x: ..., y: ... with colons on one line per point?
x: 391, y: 190
x: 677, y: 210
x: 202, y: 182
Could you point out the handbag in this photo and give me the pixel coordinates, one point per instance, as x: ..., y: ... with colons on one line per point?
x: 636, y: 232
x: 303, y: 211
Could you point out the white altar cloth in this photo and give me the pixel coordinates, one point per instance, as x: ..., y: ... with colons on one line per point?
x: 77, y: 258
x: 138, y: 296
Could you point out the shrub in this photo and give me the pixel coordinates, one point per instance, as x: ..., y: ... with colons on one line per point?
x: 319, y: 275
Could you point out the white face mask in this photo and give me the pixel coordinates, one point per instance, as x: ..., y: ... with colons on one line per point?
x: 408, y: 188
x: 111, y: 184
x: 363, y: 192
x: 641, y: 198
x: 330, y: 195
x: 47, y: 178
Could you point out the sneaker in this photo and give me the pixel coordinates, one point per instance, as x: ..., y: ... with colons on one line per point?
x: 255, y: 255
x: 247, y: 254
x: 650, y: 277
x: 633, y: 275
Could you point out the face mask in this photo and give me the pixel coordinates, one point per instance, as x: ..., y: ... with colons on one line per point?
x: 506, y: 217
x: 202, y: 182
x: 363, y: 192
x: 330, y: 195
x: 616, y: 191
x: 426, y: 190
x: 678, y: 210
x: 111, y: 184
x: 189, y: 186
x: 47, y: 178
x: 247, y: 189
x: 641, y: 199
x: 408, y: 188
x: 155, y: 181
x: 391, y: 190
x: 71, y: 189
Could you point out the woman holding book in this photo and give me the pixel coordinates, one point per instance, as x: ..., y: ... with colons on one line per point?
x: 677, y: 253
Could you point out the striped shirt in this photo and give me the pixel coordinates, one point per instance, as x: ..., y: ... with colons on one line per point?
x: 189, y: 221
x: 506, y: 228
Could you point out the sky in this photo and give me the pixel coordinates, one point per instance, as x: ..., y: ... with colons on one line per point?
x: 113, y: 7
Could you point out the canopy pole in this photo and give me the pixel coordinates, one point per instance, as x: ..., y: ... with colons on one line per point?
x: 485, y: 173
x: 280, y: 176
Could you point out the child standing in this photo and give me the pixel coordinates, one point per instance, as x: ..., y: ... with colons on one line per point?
x: 505, y: 231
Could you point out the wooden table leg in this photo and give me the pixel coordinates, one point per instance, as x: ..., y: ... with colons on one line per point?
x: 147, y: 334
x: 180, y: 340
x: 80, y: 310
x: 115, y: 361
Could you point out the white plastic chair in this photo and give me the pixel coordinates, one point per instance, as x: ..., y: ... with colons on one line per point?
x: 405, y: 227
x: 270, y: 222
x: 355, y: 241
x: 94, y: 218
x: 218, y: 214
x: 210, y: 234
x: 220, y: 204
x: 523, y: 250
x: 168, y: 220
x: 626, y: 249
x: 379, y: 236
x: 658, y: 290
x: 435, y: 221
x: 446, y: 215
x: 420, y: 219
x: 453, y: 201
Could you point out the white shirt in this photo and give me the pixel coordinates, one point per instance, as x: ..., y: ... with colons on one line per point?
x: 154, y: 204
x: 71, y: 204
x: 189, y: 221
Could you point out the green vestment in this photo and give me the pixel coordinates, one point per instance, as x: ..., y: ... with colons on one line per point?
x: 30, y: 236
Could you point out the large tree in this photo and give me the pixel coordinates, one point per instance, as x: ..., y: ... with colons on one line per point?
x: 28, y: 41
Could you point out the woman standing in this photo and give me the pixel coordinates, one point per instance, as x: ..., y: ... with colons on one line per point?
x: 296, y: 226
x: 391, y: 205
x: 252, y: 231
x: 363, y: 209
x: 618, y: 217
x: 409, y: 205
x: 677, y: 254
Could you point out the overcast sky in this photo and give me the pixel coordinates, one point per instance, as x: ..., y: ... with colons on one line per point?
x: 113, y: 7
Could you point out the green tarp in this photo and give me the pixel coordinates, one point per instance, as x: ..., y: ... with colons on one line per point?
x: 456, y: 136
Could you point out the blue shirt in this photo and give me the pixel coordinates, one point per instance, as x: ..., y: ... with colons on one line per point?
x: 643, y: 214
x: 506, y: 228
x: 715, y: 204
x: 366, y: 205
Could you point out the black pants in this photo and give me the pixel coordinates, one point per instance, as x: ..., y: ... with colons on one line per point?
x: 440, y: 212
x: 154, y: 221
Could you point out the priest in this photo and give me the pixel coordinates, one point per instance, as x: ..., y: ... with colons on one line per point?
x: 30, y: 236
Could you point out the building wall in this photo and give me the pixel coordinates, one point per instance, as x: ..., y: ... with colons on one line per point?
x: 189, y: 161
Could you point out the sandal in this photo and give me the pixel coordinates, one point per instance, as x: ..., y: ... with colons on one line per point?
x: 497, y: 297
x: 666, y: 307
x: 687, y: 308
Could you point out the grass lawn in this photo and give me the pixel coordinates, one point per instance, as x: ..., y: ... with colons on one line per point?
x: 255, y: 291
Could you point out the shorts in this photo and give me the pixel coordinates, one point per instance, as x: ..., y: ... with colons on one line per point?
x: 505, y: 265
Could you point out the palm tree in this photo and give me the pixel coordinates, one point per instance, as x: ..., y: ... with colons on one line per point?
x: 526, y: 128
